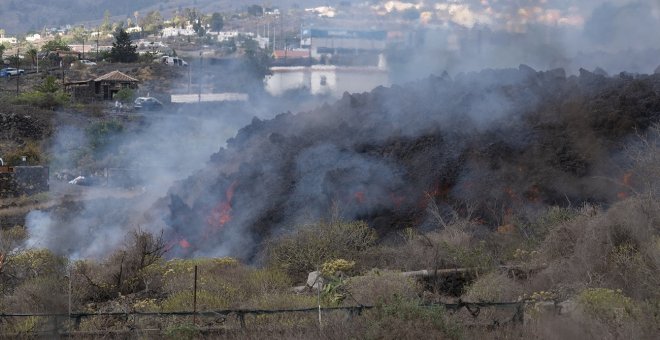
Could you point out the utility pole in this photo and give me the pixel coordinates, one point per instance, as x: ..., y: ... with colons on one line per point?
x: 98, y: 34
x: 82, y: 36
x: 18, y: 72
x: 199, y: 97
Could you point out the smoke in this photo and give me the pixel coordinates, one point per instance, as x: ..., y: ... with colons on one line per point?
x: 506, y: 135
x: 497, y: 139
x: 92, y: 221
x: 614, y: 35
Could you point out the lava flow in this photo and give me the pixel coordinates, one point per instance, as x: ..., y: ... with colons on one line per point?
x: 221, y: 214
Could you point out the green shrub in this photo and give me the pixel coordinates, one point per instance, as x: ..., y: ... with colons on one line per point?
x: 206, y: 301
x: 607, y: 305
x: 102, y: 135
x: 468, y: 257
x: 536, y: 230
x: 380, y: 286
x: 24, y: 326
x: 31, y: 151
x: 10, y: 240
x: 404, y: 318
x: 125, y: 95
x: 34, y: 263
x: 331, y: 268
x: 182, y: 331
x: 281, y: 301
x: 493, y: 287
x: 42, y: 100
x: 39, y: 294
x: 307, y: 248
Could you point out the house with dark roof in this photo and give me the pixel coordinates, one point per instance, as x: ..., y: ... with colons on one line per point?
x: 103, y: 88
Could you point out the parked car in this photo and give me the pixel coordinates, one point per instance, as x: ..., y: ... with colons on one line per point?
x: 84, y: 62
x: 147, y: 103
x: 175, y: 61
x: 11, y: 71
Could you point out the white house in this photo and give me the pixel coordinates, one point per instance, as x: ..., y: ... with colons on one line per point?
x: 175, y: 32
x: 135, y: 29
x: 262, y: 41
x: 10, y: 40
x: 227, y: 35
x: 323, y: 11
x: 326, y: 79
x: 33, y: 38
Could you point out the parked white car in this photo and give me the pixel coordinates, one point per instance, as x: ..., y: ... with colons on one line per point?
x: 10, y: 71
x: 84, y: 62
x: 175, y: 61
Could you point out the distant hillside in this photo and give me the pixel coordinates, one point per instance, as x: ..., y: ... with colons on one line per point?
x: 20, y: 16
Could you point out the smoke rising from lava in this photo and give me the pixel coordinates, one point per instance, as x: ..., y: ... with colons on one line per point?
x: 464, y: 136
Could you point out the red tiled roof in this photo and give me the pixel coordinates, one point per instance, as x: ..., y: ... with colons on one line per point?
x: 116, y: 76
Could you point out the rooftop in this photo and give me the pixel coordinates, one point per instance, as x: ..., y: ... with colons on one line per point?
x: 116, y: 76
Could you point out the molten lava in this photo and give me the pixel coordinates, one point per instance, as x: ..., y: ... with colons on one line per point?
x: 360, y: 197
x: 626, y: 181
x: 397, y: 200
x: 183, y: 243
x: 221, y: 214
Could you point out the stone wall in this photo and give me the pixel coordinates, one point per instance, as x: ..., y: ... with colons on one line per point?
x: 23, y: 180
x: 8, y: 221
x: 7, y: 186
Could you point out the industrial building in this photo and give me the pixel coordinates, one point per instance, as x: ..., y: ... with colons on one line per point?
x: 330, y: 42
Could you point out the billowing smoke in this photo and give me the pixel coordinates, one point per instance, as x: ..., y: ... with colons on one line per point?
x: 613, y: 35
x: 382, y: 156
x: 94, y: 221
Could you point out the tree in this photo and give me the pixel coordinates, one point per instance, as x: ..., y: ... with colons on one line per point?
x: 257, y: 61
x: 2, y: 50
x: 152, y: 22
x: 32, y: 53
x: 125, y: 95
x: 217, y: 22
x: 106, y: 26
x: 199, y: 28
x: 55, y: 45
x: 122, y: 50
x: 48, y: 95
x: 256, y: 11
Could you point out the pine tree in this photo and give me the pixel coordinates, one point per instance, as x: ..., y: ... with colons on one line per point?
x: 122, y: 49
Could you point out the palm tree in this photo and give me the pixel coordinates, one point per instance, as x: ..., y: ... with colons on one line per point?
x: 32, y: 53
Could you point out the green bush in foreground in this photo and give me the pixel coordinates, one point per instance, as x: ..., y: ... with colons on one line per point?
x: 48, y: 95
x: 608, y: 305
x: 309, y: 247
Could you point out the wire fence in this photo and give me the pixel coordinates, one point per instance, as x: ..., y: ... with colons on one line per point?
x: 65, y: 324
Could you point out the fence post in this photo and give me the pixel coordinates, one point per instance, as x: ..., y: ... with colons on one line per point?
x: 520, y: 313
x: 55, y: 328
x: 241, y: 319
x: 195, y: 298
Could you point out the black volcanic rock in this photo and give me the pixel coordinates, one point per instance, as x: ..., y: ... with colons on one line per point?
x: 497, y: 139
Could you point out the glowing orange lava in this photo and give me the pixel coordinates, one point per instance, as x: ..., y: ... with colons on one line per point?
x: 626, y: 180
x: 184, y: 243
x: 360, y: 197
x: 221, y: 214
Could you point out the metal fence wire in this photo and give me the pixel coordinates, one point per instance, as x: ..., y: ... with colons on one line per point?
x: 57, y: 320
